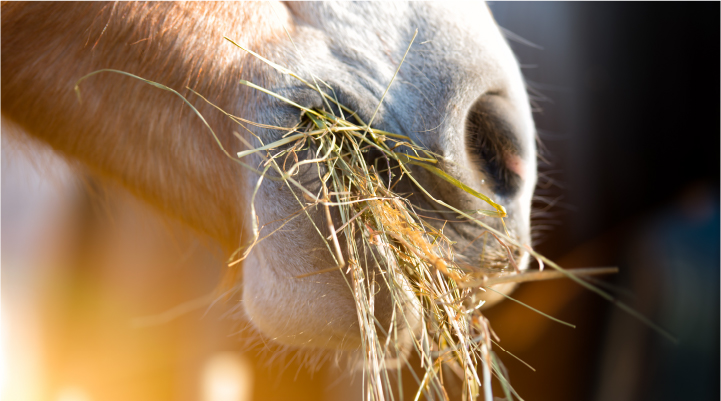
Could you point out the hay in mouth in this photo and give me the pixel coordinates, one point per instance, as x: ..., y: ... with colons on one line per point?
x: 433, y: 294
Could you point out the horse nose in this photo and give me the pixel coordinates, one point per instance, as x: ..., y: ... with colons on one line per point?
x: 494, y: 141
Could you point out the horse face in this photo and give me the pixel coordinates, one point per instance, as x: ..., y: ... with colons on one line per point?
x: 459, y: 93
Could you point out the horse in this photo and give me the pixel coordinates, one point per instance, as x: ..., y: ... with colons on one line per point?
x: 459, y: 92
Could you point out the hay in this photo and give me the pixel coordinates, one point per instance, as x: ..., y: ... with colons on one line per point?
x: 413, y: 255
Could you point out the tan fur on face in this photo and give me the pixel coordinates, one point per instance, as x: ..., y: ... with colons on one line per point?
x: 124, y: 129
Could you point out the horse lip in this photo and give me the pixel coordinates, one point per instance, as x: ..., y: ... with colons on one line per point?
x: 360, y: 97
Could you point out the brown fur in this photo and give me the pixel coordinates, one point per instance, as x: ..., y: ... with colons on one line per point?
x: 143, y: 137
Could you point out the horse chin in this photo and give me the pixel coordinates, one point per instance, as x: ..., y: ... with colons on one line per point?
x: 317, y: 311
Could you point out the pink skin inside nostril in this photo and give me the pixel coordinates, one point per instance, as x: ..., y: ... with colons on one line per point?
x: 515, y: 164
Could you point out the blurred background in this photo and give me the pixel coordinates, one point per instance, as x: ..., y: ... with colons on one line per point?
x: 627, y: 110
x: 627, y: 99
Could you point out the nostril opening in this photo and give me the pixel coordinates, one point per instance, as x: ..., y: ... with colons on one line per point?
x: 515, y: 164
x: 493, y: 144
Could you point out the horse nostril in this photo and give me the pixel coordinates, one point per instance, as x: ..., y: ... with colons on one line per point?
x: 494, y: 145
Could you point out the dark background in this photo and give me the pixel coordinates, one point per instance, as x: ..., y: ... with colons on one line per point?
x: 627, y: 99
